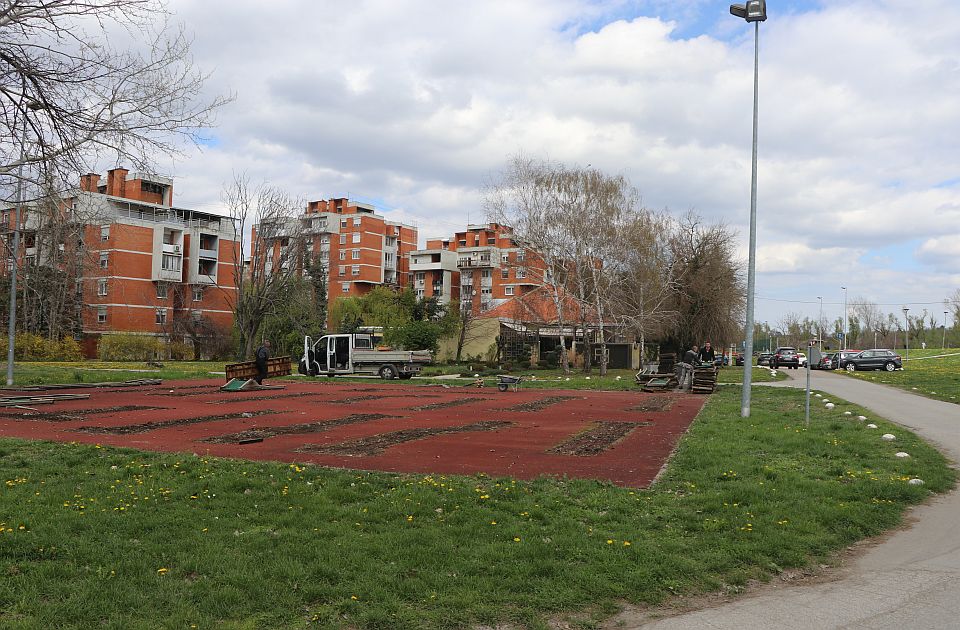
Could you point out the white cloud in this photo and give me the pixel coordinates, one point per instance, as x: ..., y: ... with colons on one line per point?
x: 415, y: 104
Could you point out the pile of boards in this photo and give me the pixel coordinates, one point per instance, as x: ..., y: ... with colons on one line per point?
x: 664, y: 378
x: 28, y: 402
x: 704, y: 379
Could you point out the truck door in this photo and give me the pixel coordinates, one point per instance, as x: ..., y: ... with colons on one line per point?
x: 319, y: 355
x: 339, y: 354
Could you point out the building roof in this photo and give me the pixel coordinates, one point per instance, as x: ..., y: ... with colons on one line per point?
x: 537, y: 306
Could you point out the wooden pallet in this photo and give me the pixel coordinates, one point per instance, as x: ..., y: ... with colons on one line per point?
x: 704, y: 380
x: 276, y: 366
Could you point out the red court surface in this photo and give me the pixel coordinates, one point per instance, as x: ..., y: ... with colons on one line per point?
x: 623, y: 437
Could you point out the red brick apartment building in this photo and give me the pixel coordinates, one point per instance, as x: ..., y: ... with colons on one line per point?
x: 481, y: 267
x: 156, y: 269
x: 360, y: 248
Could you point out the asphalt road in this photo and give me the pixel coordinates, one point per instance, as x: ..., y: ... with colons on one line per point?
x: 910, y: 580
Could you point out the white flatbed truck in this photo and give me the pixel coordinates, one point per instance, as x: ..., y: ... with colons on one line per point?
x: 356, y: 354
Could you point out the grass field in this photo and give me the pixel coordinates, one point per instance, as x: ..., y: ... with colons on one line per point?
x: 930, y: 373
x: 99, y: 537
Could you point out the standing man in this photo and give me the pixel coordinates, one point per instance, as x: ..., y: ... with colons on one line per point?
x: 707, y: 355
x: 686, y: 367
x: 263, y: 353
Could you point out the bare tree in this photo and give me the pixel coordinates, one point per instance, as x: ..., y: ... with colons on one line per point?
x: 276, y: 252
x: 76, y: 92
x: 526, y: 197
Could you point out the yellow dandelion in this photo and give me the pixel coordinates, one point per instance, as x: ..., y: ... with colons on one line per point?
x: 516, y: 539
x: 162, y: 571
x: 493, y: 522
x: 354, y: 597
x: 626, y: 543
x: 609, y: 541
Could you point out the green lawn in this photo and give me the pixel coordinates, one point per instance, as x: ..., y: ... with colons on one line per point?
x: 927, y: 372
x: 101, y: 537
x: 40, y: 373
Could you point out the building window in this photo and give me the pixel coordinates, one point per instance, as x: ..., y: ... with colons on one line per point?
x: 420, y: 276
x: 104, y: 260
x: 486, y: 273
x: 463, y: 243
x: 343, y: 239
x: 485, y: 292
x: 101, y: 314
x: 504, y: 273
x: 343, y: 223
x: 521, y: 273
x: 521, y: 255
x: 104, y: 232
x: 419, y: 293
x: 355, y: 254
x: 356, y: 221
x: 345, y: 287
x: 196, y: 315
x: 101, y: 287
x: 508, y: 290
x: 169, y: 262
x: 161, y: 316
x: 161, y: 291
x: 356, y: 237
x: 343, y: 270
x: 197, y: 294
x: 324, y: 240
x: 343, y: 254
x: 355, y: 270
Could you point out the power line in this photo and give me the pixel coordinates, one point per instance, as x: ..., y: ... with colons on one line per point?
x: 817, y: 302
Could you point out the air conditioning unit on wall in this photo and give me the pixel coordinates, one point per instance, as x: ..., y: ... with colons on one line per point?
x: 176, y: 248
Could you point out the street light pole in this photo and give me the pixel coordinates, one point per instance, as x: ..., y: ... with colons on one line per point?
x: 820, y: 325
x: 15, y: 251
x: 844, y: 345
x: 906, y: 334
x: 753, y: 11
x: 943, y: 344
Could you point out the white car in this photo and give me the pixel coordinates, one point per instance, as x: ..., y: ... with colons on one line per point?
x: 803, y: 359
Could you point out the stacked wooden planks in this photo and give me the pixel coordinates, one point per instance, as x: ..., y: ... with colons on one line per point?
x: 276, y: 366
x: 704, y: 379
x: 27, y: 402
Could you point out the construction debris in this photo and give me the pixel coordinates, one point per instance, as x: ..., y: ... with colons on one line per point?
x: 246, y: 385
x: 704, y: 379
x: 276, y: 366
x: 140, y: 382
x: 26, y: 402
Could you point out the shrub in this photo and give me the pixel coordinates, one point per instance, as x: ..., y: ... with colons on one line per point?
x: 180, y: 351
x: 30, y: 347
x: 125, y: 347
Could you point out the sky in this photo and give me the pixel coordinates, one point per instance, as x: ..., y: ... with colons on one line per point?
x: 415, y: 106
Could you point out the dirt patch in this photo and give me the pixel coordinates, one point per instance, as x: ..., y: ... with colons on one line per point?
x: 654, y: 403
x: 597, y: 438
x: 78, y: 414
x: 377, y: 444
x: 143, y: 427
x: 265, y: 397
x: 294, y: 429
x: 543, y: 403
x: 446, y: 404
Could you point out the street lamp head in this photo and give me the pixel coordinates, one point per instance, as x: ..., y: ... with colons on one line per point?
x: 752, y: 11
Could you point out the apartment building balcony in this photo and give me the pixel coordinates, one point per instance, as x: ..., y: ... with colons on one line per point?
x: 207, y: 253
x: 433, y: 260
x: 469, y: 263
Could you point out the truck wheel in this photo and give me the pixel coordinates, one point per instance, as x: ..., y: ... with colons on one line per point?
x: 388, y: 372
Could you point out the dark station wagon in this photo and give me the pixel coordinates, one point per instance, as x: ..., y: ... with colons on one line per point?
x: 874, y: 360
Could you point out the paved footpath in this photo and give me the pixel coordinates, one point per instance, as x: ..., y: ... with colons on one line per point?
x: 911, y: 580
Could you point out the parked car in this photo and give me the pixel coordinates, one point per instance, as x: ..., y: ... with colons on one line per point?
x: 764, y: 358
x: 802, y: 358
x: 785, y: 357
x: 827, y: 361
x: 738, y: 359
x: 840, y: 361
x: 876, y: 359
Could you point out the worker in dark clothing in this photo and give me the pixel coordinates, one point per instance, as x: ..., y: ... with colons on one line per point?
x: 707, y: 355
x: 263, y: 353
x: 686, y: 367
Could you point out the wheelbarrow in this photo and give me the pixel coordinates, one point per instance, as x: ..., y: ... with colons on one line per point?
x: 505, y: 382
